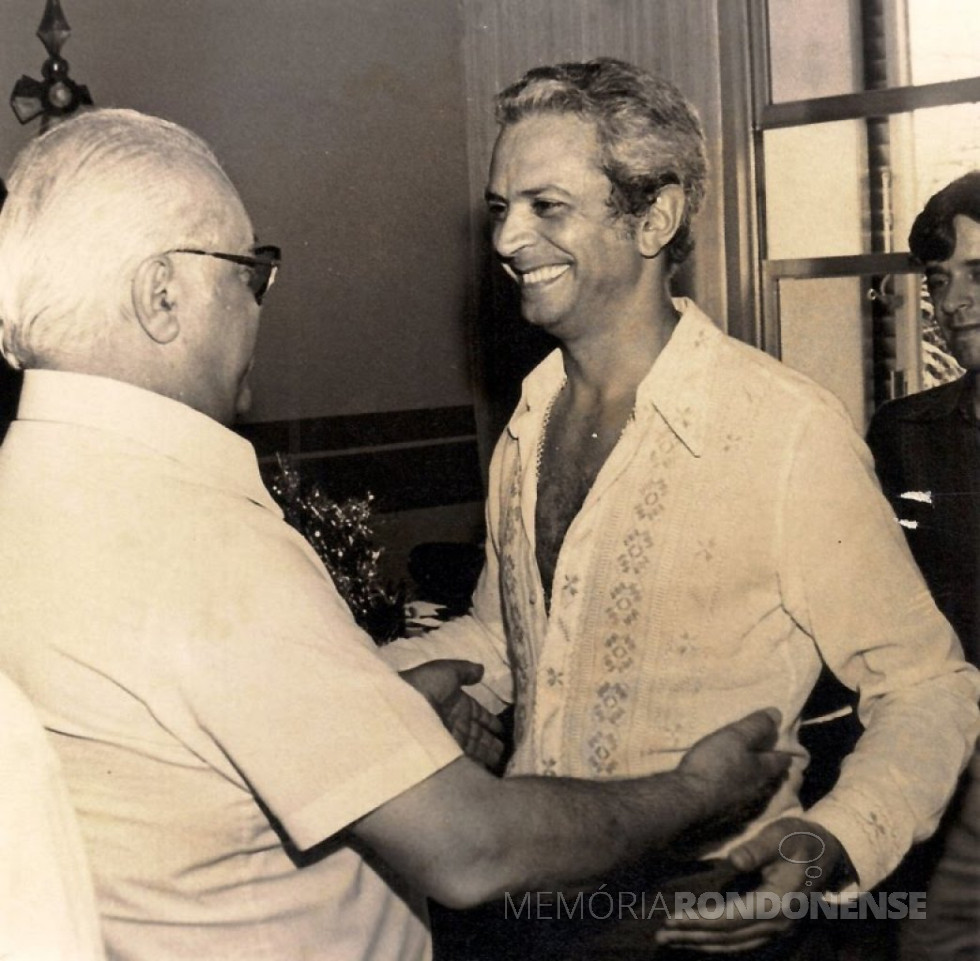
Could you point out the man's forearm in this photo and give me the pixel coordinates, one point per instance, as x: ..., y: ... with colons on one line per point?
x: 558, y: 831
x: 893, y: 788
x: 518, y: 834
x: 464, y: 836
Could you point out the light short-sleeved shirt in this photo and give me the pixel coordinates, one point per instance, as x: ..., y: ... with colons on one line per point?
x: 215, y: 707
x: 734, y: 540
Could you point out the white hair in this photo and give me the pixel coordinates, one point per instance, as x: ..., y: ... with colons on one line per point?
x: 87, y: 202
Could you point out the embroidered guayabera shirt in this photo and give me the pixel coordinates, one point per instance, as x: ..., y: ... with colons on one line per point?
x: 734, y: 537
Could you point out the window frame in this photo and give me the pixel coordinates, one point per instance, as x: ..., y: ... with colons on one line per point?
x: 752, y: 276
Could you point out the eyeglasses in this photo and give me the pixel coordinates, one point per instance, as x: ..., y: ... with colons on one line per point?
x: 262, y: 267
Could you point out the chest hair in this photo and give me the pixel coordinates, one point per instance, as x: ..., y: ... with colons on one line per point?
x: 575, y: 446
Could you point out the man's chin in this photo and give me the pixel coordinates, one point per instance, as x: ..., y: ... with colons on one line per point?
x: 536, y: 316
x: 966, y: 350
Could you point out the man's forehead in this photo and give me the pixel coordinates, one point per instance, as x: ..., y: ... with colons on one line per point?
x: 966, y: 234
x: 544, y: 150
x: 967, y: 231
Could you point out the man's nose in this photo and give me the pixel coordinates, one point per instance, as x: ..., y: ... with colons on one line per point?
x: 511, y: 232
x: 961, y: 292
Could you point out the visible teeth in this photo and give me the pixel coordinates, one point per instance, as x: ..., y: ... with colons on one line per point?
x: 542, y: 274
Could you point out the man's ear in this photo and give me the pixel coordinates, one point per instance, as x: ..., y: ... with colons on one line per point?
x: 154, y: 300
x: 661, y: 221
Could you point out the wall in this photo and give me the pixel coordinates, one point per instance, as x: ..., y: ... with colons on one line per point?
x: 343, y: 125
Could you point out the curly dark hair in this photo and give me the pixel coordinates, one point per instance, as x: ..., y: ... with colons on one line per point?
x: 649, y: 134
x: 933, y: 236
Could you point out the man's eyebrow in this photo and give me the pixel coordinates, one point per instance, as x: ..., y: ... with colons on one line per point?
x: 942, y: 269
x: 530, y: 192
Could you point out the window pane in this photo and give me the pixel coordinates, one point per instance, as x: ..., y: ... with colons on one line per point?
x: 816, y: 46
x: 944, y: 40
x: 943, y: 144
x: 817, y: 197
x: 866, y: 339
x: 825, y: 328
x: 816, y: 190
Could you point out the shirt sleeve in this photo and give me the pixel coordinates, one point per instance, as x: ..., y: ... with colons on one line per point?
x: 294, y: 693
x: 883, y: 441
x: 479, y: 636
x: 850, y: 582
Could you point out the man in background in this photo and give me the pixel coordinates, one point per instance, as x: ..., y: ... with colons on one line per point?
x: 251, y: 780
x: 927, y: 454
x: 679, y: 527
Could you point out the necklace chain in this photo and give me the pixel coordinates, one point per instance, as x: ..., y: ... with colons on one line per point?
x: 545, y: 422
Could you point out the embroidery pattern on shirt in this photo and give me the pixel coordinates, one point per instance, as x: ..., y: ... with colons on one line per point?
x: 635, y: 558
x: 602, y: 748
x: 511, y: 527
x: 619, y: 653
x: 626, y: 597
x: 618, y: 660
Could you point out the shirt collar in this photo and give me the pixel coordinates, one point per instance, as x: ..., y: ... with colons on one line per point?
x: 674, y: 385
x: 149, y: 419
x: 940, y: 402
x: 537, y: 391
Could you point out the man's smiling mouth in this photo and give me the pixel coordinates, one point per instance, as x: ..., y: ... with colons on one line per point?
x: 540, y: 275
x: 965, y: 329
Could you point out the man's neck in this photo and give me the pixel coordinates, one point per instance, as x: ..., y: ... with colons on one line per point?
x: 611, y: 361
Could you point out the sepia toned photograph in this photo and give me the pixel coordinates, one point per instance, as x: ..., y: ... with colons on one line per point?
x: 489, y: 480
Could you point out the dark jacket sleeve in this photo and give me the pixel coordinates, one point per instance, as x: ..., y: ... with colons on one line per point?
x: 884, y: 441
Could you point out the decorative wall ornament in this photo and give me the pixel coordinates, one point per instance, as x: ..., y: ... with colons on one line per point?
x: 57, y: 95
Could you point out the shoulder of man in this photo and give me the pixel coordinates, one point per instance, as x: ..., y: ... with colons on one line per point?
x: 926, y: 405
x: 788, y: 392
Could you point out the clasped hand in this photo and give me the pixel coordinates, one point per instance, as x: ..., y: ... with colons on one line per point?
x: 792, y: 855
x: 475, y: 729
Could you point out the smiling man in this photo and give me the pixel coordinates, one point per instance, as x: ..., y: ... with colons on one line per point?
x: 929, y: 443
x: 679, y: 526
